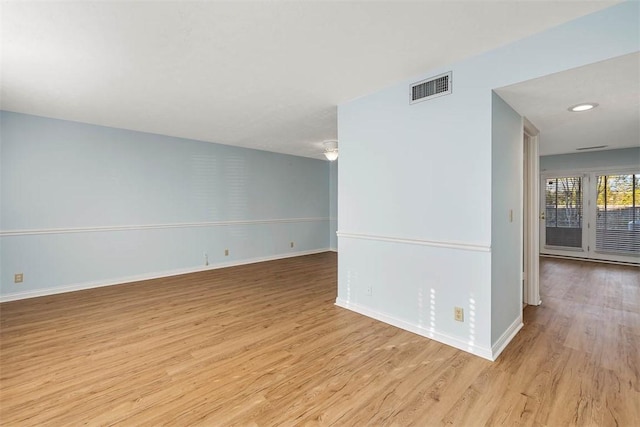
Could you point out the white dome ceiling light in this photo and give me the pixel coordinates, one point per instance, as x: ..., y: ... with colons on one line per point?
x: 331, y: 149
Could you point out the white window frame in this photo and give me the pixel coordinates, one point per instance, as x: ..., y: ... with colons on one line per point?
x: 589, y: 214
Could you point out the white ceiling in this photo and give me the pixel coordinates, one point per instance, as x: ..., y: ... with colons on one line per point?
x: 613, y: 84
x: 265, y: 75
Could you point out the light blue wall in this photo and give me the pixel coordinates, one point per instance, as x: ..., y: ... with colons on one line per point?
x: 420, y: 177
x: 164, y: 201
x: 627, y: 157
x: 506, y: 217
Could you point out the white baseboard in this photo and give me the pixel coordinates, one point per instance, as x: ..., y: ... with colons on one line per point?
x: 485, y: 353
x: 597, y: 260
x: 148, y: 276
x: 506, y: 337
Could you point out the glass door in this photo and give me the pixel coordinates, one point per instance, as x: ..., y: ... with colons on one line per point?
x: 563, y: 227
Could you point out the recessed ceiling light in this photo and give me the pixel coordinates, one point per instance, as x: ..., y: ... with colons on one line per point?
x: 583, y: 107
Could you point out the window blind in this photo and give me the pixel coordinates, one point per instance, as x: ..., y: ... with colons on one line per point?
x: 618, y: 214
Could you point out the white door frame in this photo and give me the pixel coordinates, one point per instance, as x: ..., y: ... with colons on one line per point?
x: 531, y: 238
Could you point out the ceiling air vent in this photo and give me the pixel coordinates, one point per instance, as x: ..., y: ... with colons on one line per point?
x: 595, y: 147
x: 431, y: 88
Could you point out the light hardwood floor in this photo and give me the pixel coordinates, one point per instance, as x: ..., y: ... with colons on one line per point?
x: 264, y: 344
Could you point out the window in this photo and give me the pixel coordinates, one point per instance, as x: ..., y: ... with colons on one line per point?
x: 618, y: 213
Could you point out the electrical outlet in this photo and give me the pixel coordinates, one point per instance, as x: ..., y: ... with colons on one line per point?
x: 369, y: 289
x: 226, y: 252
x: 18, y: 278
x: 291, y: 244
x: 206, y: 258
x: 458, y: 314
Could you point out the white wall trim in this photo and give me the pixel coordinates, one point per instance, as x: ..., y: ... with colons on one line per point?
x: 506, y: 338
x: 28, y: 232
x: 466, y: 246
x: 485, y: 353
x: 529, y: 128
x: 531, y: 235
x: 149, y: 276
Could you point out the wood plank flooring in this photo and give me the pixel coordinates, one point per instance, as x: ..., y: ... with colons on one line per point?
x: 264, y: 345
